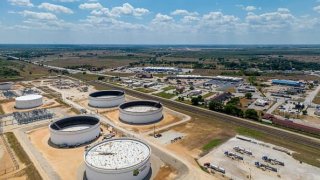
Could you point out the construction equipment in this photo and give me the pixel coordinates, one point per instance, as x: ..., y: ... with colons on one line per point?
x: 265, y: 167
x: 233, y: 155
x: 272, y: 161
x: 242, y: 150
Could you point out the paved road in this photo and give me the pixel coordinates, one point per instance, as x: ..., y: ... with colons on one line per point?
x: 311, y: 96
x: 272, y: 131
x: 277, y: 104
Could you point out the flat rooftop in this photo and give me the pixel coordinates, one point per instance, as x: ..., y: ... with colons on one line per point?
x: 117, y: 154
x: 140, y: 109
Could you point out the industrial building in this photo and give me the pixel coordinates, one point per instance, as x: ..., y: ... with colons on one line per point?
x: 106, y: 99
x: 227, y: 78
x: 5, y: 85
x: 162, y: 69
x: 28, y: 101
x: 246, y: 89
x: 287, y: 82
x: 141, y: 112
x: 75, y: 130
x: 261, y: 102
x: 118, y: 159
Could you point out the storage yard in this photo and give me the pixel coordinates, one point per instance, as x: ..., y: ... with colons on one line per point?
x: 244, y: 153
x: 73, y: 147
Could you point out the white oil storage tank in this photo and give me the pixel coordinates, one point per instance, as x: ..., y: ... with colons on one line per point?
x: 118, y: 159
x: 5, y: 85
x: 106, y: 99
x: 28, y: 101
x: 74, y: 130
x: 141, y: 112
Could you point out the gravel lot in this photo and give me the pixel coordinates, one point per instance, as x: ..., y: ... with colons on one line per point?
x: 237, y: 169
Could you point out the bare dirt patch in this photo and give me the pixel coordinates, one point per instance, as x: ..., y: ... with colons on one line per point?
x: 64, y: 161
x: 168, y: 118
x: 166, y: 173
x: 6, y: 162
x: 8, y: 107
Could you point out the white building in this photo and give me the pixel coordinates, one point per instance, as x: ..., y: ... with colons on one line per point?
x: 261, y: 102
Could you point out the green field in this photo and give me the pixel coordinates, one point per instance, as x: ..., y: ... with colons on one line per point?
x: 165, y: 95
x: 168, y: 88
x: 213, y: 143
x: 145, y: 90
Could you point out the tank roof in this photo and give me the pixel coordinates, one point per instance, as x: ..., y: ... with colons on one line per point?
x: 141, y: 106
x: 112, y: 93
x: 118, y: 154
x: 29, y: 97
x: 74, y: 123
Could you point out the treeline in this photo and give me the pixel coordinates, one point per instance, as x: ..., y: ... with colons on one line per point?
x: 231, y: 108
x: 193, y: 64
x: 85, y: 66
x: 269, y: 64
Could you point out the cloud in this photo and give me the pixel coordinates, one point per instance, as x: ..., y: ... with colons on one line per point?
x: 125, y: 9
x: 67, y: 0
x: 162, y: 18
x: 250, y: 8
x: 55, y: 8
x: 38, y: 15
x: 21, y: 3
x: 279, y: 19
x: 90, y: 6
x: 317, y: 9
x: 189, y: 19
x: 182, y: 12
x: 128, y: 9
x: 283, y: 10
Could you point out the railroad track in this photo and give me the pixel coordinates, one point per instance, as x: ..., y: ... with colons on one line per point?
x: 269, y: 130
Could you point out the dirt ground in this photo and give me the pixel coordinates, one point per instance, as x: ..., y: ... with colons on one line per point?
x: 8, y: 107
x: 198, y: 133
x: 168, y: 118
x: 166, y: 173
x: 65, y: 162
x: 5, y: 159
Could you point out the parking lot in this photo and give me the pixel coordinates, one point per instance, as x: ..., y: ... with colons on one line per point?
x: 243, y: 169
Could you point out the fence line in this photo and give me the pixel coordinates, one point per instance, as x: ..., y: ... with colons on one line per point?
x: 15, y: 162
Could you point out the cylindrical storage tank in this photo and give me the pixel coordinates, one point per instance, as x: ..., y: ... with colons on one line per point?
x: 74, y: 130
x: 28, y: 101
x: 140, y: 112
x: 317, y: 112
x: 106, y: 99
x: 118, y: 159
x: 5, y: 85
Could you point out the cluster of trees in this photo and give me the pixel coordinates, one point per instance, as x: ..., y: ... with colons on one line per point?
x: 279, y: 63
x: 231, y: 108
x: 196, y: 100
x: 85, y: 66
x: 193, y: 64
x: 8, y: 72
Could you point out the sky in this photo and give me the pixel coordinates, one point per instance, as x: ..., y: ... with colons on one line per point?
x: 160, y: 21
